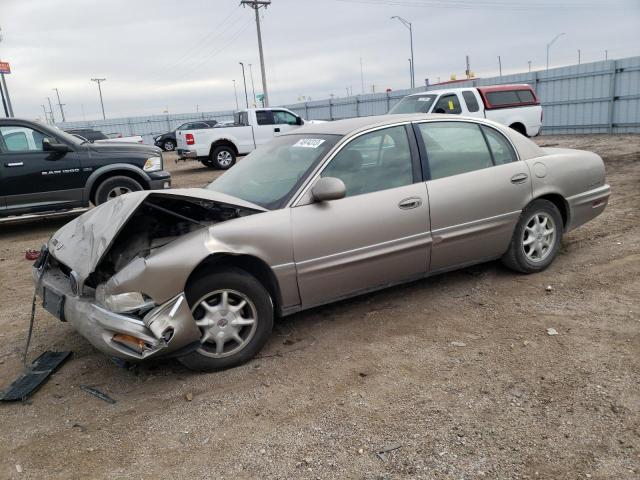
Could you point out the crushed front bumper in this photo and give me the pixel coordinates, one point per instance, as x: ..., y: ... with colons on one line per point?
x: 165, y: 329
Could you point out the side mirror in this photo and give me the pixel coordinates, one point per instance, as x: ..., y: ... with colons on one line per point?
x: 48, y: 146
x: 328, y: 188
x: 299, y: 121
x: 439, y: 110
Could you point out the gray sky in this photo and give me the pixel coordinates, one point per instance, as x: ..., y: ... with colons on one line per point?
x: 176, y: 54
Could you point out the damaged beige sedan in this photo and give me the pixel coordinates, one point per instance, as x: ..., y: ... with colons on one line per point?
x: 327, y: 212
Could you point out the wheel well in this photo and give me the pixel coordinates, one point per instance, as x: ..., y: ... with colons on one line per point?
x: 250, y: 264
x: 561, y: 203
x: 519, y: 127
x: 116, y: 173
x: 223, y: 143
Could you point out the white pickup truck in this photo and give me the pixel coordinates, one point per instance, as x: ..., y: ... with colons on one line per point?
x: 219, y: 147
x: 516, y: 106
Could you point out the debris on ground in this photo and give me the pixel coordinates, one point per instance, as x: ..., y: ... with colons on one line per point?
x: 97, y: 393
x: 188, y: 397
x: 552, y: 331
x: 18, y: 468
x: 34, y: 376
x: 31, y: 254
x: 389, y: 448
x: 549, y: 288
x: 458, y: 344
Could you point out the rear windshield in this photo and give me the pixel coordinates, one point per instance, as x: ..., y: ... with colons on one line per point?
x: 414, y: 104
x: 510, y: 97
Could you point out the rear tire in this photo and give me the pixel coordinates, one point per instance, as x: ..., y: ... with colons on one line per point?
x: 113, y: 187
x: 245, y: 315
x: 222, y: 158
x: 169, y: 145
x: 536, y: 238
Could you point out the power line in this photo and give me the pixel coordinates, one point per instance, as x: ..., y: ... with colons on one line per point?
x: 483, y: 5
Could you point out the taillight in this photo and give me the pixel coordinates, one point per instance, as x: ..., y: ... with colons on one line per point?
x: 190, y: 139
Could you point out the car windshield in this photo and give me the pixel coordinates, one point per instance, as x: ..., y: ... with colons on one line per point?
x: 270, y: 175
x: 414, y: 104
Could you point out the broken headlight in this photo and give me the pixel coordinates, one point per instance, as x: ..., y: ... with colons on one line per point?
x: 122, y: 302
x: 153, y: 164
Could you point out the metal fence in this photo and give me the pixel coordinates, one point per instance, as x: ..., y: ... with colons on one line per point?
x: 598, y: 97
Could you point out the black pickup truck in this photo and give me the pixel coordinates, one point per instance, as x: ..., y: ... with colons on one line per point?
x: 44, y: 169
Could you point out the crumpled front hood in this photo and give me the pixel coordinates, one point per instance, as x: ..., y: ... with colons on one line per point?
x: 81, y: 243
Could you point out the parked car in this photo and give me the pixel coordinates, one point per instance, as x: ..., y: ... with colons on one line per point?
x: 319, y: 214
x: 219, y: 147
x: 45, y: 169
x: 167, y: 141
x: 94, y: 136
x: 516, y: 106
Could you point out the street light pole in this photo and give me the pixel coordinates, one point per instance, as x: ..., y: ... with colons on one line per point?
x: 244, y: 79
x: 99, y: 81
x: 60, y: 105
x: 253, y: 88
x: 44, y: 110
x: 407, y: 24
x: 235, y: 92
x: 53, y: 118
x: 549, y: 46
x: 500, y: 65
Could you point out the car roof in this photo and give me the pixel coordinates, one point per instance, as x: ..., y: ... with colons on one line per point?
x: 352, y: 126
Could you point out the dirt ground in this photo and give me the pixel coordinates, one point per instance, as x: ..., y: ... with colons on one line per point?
x: 455, y: 374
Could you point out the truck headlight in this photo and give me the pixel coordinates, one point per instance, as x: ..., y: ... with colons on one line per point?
x: 153, y: 164
x: 122, y: 302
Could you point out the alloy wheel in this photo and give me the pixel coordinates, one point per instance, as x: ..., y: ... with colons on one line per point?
x: 539, y: 237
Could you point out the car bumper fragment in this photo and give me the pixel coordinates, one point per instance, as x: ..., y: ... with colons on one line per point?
x: 159, y: 180
x: 165, y: 329
x: 587, y: 205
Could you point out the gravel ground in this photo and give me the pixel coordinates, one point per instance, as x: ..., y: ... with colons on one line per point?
x: 455, y: 375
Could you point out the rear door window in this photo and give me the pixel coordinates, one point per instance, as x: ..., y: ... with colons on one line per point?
x: 470, y: 100
x: 454, y: 148
x: 264, y: 117
x: 448, y: 104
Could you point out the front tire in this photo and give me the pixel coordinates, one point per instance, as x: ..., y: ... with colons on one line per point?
x: 536, y: 239
x: 114, y: 187
x: 235, y: 315
x: 222, y: 158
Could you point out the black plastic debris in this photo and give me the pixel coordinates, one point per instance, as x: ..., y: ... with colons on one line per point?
x: 97, y: 393
x: 34, y: 376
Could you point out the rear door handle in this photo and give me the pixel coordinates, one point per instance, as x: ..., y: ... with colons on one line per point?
x: 409, y: 203
x: 14, y: 164
x: 519, y: 178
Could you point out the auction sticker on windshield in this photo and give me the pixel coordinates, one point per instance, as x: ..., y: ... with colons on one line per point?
x: 309, y: 142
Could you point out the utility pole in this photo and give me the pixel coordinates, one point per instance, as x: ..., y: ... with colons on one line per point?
x: 53, y: 119
x: 468, y: 72
x: 235, y: 92
x: 253, y: 88
x: 500, y: 65
x: 407, y: 24
x: 244, y: 79
x: 578, y: 56
x: 529, y: 62
x: 60, y: 105
x: 361, y: 75
x: 549, y: 46
x: 606, y: 55
x: 256, y: 5
x: 99, y: 81
x: 46, y: 117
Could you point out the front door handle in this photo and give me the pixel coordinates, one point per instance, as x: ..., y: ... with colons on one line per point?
x: 14, y: 164
x: 409, y: 203
x: 519, y: 178
x: 277, y: 129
